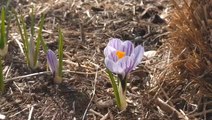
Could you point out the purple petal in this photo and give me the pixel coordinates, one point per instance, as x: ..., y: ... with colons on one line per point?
x: 52, y: 61
x: 126, y: 64
x: 112, y: 56
x: 127, y: 47
x: 115, y: 43
x: 112, y: 66
x: 108, y: 50
x: 138, y: 55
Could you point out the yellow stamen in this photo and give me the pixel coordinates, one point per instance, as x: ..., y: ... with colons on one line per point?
x: 120, y: 54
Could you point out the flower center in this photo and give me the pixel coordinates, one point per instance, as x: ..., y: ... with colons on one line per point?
x: 120, y: 54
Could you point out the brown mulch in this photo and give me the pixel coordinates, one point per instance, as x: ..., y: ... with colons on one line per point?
x: 86, y: 92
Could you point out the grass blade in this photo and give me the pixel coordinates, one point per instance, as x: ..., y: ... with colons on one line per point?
x: 8, y: 3
x: 19, y: 27
x: 115, y: 88
x: 3, y: 30
x: 25, y: 40
x: 45, y: 48
x: 23, y: 33
x: 32, y: 16
x: 60, y: 52
x: 39, y: 39
x: 8, y: 26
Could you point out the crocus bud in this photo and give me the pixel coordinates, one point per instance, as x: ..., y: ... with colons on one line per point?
x: 53, y: 66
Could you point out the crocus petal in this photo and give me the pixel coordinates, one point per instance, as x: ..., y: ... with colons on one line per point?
x: 115, y: 43
x: 112, y: 66
x: 113, y: 56
x: 108, y: 50
x: 127, y: 47
x: 52, y: 61
x: 126, y: 64
x: 138, y: 55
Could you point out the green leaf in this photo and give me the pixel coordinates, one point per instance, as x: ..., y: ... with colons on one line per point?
x: 23, y: 33
x: 25, y: 40
x: 60, y: 50
x: 115, y: 88
x: 3, y: 30
x: 45, y: 48
x: 19, y: 26
x: 8, y: 3
x: 8, y: 16
x: 39, y: 39
x: 8, y: 26
x: 32, y: 16
x: 1, y: 77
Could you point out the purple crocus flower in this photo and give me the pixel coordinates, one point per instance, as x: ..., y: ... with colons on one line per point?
x: 52, y: 62
x: 121, y: 57
x: 53, y: 66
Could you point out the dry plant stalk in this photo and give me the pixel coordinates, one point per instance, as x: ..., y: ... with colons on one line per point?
x: 190, y: 41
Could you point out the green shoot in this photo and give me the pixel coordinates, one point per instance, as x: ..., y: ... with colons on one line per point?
x: 25, y: 39
x: 45, y: 48
x: 32, y: 17
x: 120, y: 94
x: 39, y: 39
x: 54, y: 65
x: 3, y: 35
x: 30, y: 50
x: 115, y: 88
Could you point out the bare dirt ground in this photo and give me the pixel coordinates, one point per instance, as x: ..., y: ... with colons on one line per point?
x: 86, y: 92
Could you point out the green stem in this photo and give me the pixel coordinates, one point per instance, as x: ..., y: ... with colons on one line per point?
x: 122, y: 95
x: 23, y: 33
x: 115, y: 88
x: 3, y: 34
x: 39, y: 40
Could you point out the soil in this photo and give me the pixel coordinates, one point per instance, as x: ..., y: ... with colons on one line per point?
x: 87, y: 26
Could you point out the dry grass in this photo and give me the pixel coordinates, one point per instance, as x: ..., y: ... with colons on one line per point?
x: 187, y: 59
x: 190, y: 42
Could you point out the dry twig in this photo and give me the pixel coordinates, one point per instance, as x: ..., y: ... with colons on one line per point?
x: 94, y: 92
x: 176, y: 115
